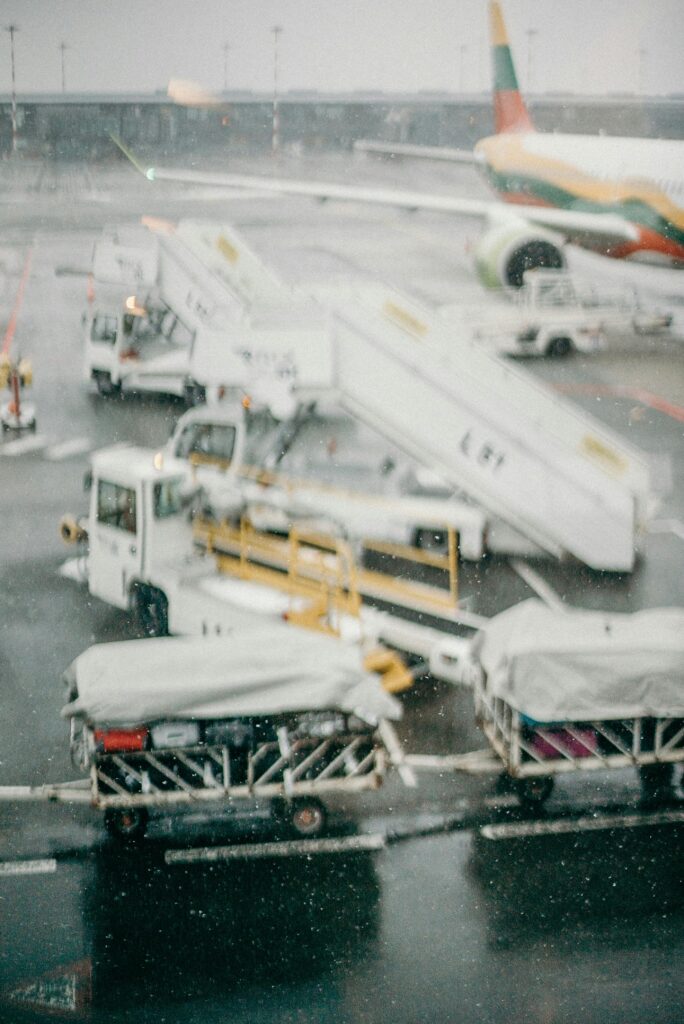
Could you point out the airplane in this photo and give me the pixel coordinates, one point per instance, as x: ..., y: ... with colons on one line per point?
x: 621, y: 197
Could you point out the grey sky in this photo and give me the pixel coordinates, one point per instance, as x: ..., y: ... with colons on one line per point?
x: 594, y: 46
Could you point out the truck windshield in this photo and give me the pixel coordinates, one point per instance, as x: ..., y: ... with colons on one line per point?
x: 214, y: 440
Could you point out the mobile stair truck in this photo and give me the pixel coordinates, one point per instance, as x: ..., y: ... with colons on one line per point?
x: 200, y: 312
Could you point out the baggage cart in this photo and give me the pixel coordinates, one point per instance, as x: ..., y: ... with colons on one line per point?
x: 561, y: 691
x: 276, y: 715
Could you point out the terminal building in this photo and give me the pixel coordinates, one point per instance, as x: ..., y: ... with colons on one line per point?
x: 77, y: 126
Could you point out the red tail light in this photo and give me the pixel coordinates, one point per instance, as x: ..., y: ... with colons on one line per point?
x: 110, y: 741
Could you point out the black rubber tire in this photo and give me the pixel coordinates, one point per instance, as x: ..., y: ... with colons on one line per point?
x: 558, y: 348
x: 104, y: 385
x: 534, y: 791
x: 656, y: 783
x: 307, y: 817
x: 152, y: 611
x: 127, y: 824
x: 431, y: 540
x: 194, y: 394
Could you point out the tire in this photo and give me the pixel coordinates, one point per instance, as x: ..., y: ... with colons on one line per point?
x: 104, y: 384
x: 558, y: 348
x: 307, y: 817
x: 152, y: 611
x: 534, y: 791
x: 194, y: 394
x: 656, y: 783
x: 127, y: 825
x: 431, y: 540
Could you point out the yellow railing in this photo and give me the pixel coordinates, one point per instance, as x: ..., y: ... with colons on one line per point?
x: 321, y: 571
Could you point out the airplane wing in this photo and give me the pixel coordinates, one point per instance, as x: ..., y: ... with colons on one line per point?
x: 574, y: 225
x: 448, y: 153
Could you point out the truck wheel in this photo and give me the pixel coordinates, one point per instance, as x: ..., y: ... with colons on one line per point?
x: 534, y: 791
x: 308, y: 817
x: 559, y: 347
x: 152, y: 611
x: 127, y: 824
x: 431, y: 540
x: 194, y: 394
x: 104, y: 384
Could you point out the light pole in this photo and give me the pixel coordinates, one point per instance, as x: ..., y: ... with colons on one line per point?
x: 63, y: 47
x: 226, y: 47
x: 12, y: 29
x: 275, y: 140
x: 640, y: 69
x: 531, y: 36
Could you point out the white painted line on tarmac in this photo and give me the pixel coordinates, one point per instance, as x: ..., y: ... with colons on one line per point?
x: 539, y: 585
x: 284, y: 848
x: 68, y: 448
x: 23, y: 445
x: 675, y: 526
x: 519, y: 830
x: 28, y: 867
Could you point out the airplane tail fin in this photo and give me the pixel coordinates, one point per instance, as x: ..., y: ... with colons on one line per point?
x: 510, y: 112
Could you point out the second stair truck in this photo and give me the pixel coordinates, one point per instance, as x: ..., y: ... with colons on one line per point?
x: 200, y: 314
x: 184, y: 567
x: 560, y: 691
x: 324, y: 463
x: 271, y: 716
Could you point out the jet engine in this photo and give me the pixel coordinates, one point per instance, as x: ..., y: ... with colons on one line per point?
x: 505, y: 251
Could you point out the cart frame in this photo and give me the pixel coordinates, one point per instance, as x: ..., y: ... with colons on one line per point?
x: 286, y: 767
x: 591, y: 745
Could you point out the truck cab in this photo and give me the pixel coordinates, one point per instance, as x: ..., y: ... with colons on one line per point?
x: 137, y: 345
x: 136, y: 521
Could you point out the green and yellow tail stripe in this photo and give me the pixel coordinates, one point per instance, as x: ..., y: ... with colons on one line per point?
x: 510, y: 112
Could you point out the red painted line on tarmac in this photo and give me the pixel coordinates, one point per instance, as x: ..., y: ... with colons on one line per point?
x: 675, y: 412
x: 12, y: 325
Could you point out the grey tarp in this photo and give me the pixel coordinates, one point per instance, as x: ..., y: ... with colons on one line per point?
x: 565, y: 666
x: 265, y: 670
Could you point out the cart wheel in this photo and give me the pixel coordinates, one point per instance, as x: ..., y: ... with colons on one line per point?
x: 656, y: 783
x: 128, y: 824
x: 308, y: 817
x: 534, y: 790
x: 105, y: 385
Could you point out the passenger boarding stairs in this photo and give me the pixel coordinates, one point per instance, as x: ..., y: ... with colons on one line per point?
x: 549, y: 470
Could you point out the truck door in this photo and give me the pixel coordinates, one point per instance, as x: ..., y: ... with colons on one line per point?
x: 115, y: 555
x: 101, y: 338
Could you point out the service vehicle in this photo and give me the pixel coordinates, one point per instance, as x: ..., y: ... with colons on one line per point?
x: 272, y: 715
x: 16, y: 414
x: 156, y: 548
x: 553, y: 315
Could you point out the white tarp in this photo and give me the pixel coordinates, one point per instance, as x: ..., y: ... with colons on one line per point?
x: 266, y: 670
x: 571, y: 666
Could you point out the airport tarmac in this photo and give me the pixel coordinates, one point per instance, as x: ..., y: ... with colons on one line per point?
x: 430, y: 929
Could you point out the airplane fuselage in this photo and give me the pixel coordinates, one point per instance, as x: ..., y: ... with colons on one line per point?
x: 641, y: 180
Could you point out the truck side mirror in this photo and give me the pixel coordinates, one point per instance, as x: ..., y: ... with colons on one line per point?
x: 88, y: 480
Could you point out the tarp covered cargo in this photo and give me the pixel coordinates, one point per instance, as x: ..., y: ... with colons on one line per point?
x: 573, y: 666
x: 267, y: 670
